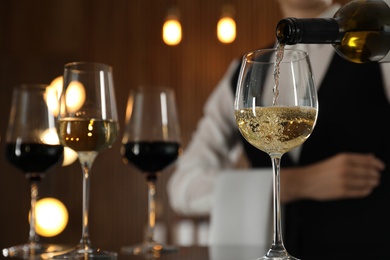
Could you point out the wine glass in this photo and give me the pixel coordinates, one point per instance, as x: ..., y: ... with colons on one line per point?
x: 33, y: 147
x: 276, y: 110
x: 88, y: 124
x: 151, y: 142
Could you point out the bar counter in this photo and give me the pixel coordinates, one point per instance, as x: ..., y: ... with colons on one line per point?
x: 208, y: 253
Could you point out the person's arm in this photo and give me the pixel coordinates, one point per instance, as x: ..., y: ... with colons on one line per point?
x: 209, y: 152
x: 345, y: 175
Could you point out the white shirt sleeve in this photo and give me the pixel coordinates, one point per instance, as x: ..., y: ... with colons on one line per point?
x: 211, y: 150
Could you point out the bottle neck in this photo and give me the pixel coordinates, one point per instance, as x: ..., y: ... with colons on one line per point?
x: 310, y: 30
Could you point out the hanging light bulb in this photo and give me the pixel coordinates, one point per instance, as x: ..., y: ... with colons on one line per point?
x: 172, y: 28
x: 226, y: 27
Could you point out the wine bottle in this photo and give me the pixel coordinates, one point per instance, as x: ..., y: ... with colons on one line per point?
x: 359, y: 31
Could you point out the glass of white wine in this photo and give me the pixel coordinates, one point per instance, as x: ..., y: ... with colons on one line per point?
x: 276, y: 109
x: 88, y: 124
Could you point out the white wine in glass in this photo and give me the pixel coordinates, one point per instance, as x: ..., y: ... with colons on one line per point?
x: 151, y: 142
x: 88, y: 124
x: 276, y: 109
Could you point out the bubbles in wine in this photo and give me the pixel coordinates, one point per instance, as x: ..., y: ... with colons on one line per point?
x: 276, y: 129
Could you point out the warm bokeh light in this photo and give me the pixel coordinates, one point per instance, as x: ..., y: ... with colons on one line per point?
x: 226, y: 29
x: 51, y: 217
x: 70, y: 156
x: 57, y: 84
x: 50, y: 136
x: 75, y: 96
x: 52, y: 95
x: 172, y: 31
x: 51, y: 98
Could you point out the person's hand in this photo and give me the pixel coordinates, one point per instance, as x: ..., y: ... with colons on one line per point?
x: 345, y: 175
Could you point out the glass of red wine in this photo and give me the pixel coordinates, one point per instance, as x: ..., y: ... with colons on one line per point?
x: 32, y: 146
x: 151, y: 142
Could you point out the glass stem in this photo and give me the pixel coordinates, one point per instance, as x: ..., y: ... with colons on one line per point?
x: 151, y: 210
x: 86, y: 160
x: 33, y: 237
x: 277, y: 248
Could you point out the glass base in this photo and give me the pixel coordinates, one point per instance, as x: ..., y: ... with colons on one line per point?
x: 32, y: 250
x: 80, y: 253
x: 277, y: 258
x: 277, y: 254
x: 151, y: 249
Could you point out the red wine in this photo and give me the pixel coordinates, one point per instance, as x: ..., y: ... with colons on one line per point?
x: 151, y: 157
x: 34, y: 159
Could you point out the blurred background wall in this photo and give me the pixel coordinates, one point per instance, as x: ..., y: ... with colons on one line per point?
x: 38, y: 37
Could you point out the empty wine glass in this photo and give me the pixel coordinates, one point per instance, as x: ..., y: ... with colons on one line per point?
x: 88, y: 124
x: 33, y: 147
x: 151, y: 142
x: 276, y: 110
